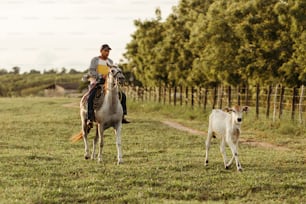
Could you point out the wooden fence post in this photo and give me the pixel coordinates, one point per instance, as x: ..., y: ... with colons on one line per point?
x: 136, y: 93
x: 246, y: 99
x: 175, y: 92
x: 238, y: 95
x: 215, y: 97
x: 275, y: 101
x: 145, y: 94
x: 205, y: 99
x: 142, y: 93
x: 220, y: 96
x: 281, y: 101
x: 169, y: 95
x: 192, y: 97
x: 154, y: 93
x: 199, y: 96
x: 164, y: 94
x: 268, y: 101
x: 293, y: 103
x: 186, y: 95
x: 301, y: 104
x: 181, y: 95
x: 257, y: 100
x: 229, y: 96
x: 159, y: 93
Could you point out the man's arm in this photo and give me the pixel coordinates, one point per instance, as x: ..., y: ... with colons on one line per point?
x: 92, y: 72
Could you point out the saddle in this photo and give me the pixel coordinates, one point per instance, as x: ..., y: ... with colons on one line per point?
x: 99, y: 97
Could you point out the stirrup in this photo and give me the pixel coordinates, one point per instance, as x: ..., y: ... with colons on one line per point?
x: 89, y: 124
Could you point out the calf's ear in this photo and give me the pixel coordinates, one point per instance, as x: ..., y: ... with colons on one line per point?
x: 245, y: 108
x: 227, y: 109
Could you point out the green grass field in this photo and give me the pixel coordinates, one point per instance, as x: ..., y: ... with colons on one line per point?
x: 161, y: 164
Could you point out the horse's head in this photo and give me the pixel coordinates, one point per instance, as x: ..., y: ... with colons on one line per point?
x: 116, y: 75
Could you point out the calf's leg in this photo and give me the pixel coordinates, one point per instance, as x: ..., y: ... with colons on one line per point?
x: 223, y: 152
x: 208, y: 141
x: 234, y: 150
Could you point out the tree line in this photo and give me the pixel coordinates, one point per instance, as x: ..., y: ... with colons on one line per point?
x: 33, y: 82
x: 213, y: 42
x: 16, y: 70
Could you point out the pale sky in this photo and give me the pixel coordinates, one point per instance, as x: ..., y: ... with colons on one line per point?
x: 51, y: 34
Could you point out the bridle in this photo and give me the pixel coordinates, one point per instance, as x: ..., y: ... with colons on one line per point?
x: 116, y: 80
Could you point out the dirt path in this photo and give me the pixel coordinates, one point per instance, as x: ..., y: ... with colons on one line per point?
x: 245, y: 141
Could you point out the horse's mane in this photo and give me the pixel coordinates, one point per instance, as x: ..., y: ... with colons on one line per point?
x: 105, y: 84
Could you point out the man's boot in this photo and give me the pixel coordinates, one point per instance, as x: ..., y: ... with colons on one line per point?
x: 124, y: 120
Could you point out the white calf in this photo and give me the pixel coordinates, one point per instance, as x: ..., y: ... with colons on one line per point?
x: 227, y: 126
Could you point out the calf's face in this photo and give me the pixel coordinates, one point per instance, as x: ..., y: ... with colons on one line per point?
x: 237, y: 112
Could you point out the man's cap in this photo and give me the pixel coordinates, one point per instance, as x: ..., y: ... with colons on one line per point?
x: 105, y: 47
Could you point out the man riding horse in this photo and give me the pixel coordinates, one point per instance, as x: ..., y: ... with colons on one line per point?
x: 99, y: 68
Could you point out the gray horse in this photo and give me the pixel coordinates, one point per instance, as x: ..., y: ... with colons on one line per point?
x: 108, y: 115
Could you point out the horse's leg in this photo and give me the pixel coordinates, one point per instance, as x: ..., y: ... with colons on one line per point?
x: 101, y: 141
x: 93, y: 155
x: 118, y: 143
x: 85, y: 133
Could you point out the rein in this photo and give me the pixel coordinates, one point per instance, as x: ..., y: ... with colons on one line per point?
x: 115, y: 84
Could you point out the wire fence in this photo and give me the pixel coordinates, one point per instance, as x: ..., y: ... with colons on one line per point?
x: 272, y: 101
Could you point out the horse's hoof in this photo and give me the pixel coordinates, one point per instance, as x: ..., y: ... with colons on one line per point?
x: 87, y: 157
x: 239, y: 169
x: 119, y: 162
x: 227, y: 167
x: 206, y: 163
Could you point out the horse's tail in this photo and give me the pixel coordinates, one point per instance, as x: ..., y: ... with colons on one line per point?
x: 76, y: 137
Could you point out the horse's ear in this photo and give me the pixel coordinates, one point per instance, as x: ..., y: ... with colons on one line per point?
x: 109, y: 65
x: 112, y: 70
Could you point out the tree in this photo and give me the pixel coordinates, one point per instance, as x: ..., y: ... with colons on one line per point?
x: 16, y: 70
x: 294, y: 69
x: 51, y: 71
x: 3, y: 71
x: 63, y: 71
x: 73, y: 71
x: 33, y: 71
x: 141, y: 51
